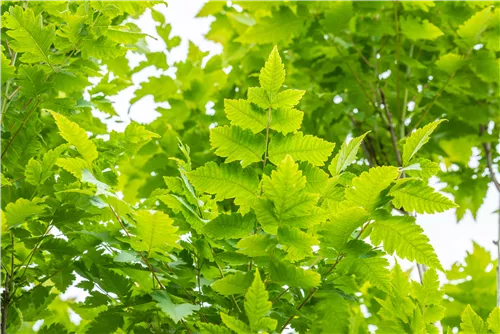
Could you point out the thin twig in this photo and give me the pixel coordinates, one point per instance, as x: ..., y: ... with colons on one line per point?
x: 391, y: 129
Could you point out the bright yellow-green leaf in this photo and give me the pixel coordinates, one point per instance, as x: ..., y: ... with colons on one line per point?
x: 367, y: 187
x: 237, y: 144
x: 272, y: 76
x: 346, y: 155
x: 77, y: 137
x: 418, y: 196
x: 155, y: 231
x: 418, y: 139
x: 241, y: 113
x: 301, y: 147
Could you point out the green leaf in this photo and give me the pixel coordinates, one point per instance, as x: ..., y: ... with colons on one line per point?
x: 373, y: 269
x: 346, y: 155
x: 287, y: 99
x: 32, y: 80
x: 298, y: 244
x: 237, y: 144
x: 207, y: 328
x: 494, y: 320
x: 471, y: 29
x: 29, y: 36
x: 450, y: 62
x: 234, y: 324
x: 272, y: 76
x: 257, y: 304
x: 400, y: 234
x: 74, y: 166
x: 367, y: 188
x: 77, y: 137
x: 258, y: 96
x: 176, y: 312
x: 5, y: 181
x: 256, y: 245
x: 286, y: 120
x: 416, y: 195
x: 336, y: 232
x: 230, y: 226
x: 101, y: 48
x: 422, y: 168
x: 154, y: 231
x: 284, y: 202
x: 303, y: 148
x: 19, y: 211
x: 294, y: 276
x: 240, y: 113
x: 33, y: 172
x: 337, y: 17
x: 415, y: 29
x: 472, y: 323
x: 485, y: 65
x: 280, y: 27
x: 236, y: 284
x: 418, y: 139
x: 227, y: 181
x: 429, y: 292
x: 8, y: 70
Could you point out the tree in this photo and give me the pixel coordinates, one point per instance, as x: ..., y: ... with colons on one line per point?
x: 257, y: 217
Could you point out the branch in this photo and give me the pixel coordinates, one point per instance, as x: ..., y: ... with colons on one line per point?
x: 489, y: 159
x: 391, y: 128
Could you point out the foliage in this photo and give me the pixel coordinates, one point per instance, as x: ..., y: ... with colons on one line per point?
x: 277, y: 210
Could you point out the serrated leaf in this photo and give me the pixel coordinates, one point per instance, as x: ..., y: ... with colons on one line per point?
x: 236, y: 144
x: 227, y: 181
x: 303, y: 148
x: 77, y: 137
x: 418, y: 139
x: 367, y: 188
x: 450, y: 63
x: 234, y: 324
x: 287, y: 99
x: 17, y: 212
x: 471, y: 322
x: 230, y: 226
x: 29, y: 36
x: 416, y: 29
x: 422, y: 168
x: 176, y: 312
x: 101, y: 48
x: 284, y: 202
x: 33, y: 172
x: 294, y: 276
x: 416, y: 195
x: 494, y: 320
x: 240, y: 113
x: 272, y: 75
x: 401, y: 235
x: 429, y: 292
x: 256, y: 245
x: 471, y: 29
x: 235, y: 284
x: 298, y: 244
x: 207, y: 328
x: 4, y: 180
x: 7, y: 70
x: 373, y: 269
x: 258, y: 96
x: 286, y: 120
x: 346, y: 155
x: 281, y: 27
x: 32, y: 80
x: 75, y: 166
x: 257, y: 304
x: 155, y: 231
x: 336, y: 232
